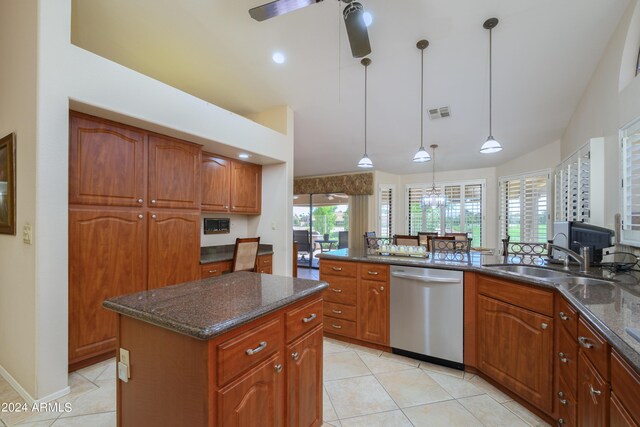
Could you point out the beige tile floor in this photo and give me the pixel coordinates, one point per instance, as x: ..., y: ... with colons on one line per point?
x: 362, y: 387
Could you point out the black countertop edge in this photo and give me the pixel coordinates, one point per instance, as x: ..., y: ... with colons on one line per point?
x: 631, y: 355
x: 227, y: 256
x: 218, y: 328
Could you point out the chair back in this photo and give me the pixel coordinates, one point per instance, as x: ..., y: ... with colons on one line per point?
x: 343, y: 239
x: 245, y: 254
x: 405, y: 240
x: 458, y: 236
x: 424, y: 239
x: 302, y: 237
x: 524, y: 252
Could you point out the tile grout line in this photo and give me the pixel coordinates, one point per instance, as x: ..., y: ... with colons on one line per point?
x: 85, y: 415
x: 523, y: 420
x: 324, y: 388
x: 375, y: 413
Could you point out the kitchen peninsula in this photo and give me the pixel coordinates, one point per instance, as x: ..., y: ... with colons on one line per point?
x: 238, y: 349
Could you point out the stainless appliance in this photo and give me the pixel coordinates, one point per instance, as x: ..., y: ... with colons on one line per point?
x: 427, y: 310
x: 217, y: 225
x: 573, y: 235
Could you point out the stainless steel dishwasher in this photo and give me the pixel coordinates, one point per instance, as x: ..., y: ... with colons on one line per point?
x: 427, y: 313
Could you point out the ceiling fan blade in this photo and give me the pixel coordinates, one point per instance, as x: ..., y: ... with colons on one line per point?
x: 278, y: 7
x: 356, y: 30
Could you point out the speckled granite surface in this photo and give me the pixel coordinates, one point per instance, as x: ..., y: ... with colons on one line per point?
x: 611, y: 308
x: 225, y: 253
x: 206, y: 308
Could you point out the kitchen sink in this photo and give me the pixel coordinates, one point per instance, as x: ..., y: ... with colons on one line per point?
x: 578, y: 280
x: 531, y: 271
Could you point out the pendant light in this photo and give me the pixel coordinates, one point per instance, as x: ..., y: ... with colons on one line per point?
x: 433, y: 198
x: 422, y: 155
x: 365, y: 161
x: 491, y: 145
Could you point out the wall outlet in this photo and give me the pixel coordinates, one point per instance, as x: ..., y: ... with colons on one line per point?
x: 124, y: 365
x: 124, y: 356
x: 27, y: 234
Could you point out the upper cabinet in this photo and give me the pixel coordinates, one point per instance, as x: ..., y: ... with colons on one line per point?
x: 246, y: 187
x: 216, y: 177
x: 174, y: 173
x: 106, y: 163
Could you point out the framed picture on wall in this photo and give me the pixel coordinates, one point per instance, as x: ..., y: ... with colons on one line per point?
x: 8, y: 184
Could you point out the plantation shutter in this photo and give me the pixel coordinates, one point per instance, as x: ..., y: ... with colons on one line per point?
x: 524, y: 207
x: 415, y: 213
x: 386, y: 211
x: 473, y: 212
x: 453, y: 208
x: 630, y: 164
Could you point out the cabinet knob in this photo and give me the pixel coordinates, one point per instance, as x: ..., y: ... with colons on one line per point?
x: 140, y: 201
x: 154, y: 216
x: 140, y: 216
x: 584, y: 341
x: 295, y: 356
x: 560, y: 422
x: 278, y: 368
x: 226, y: 207
x: 563, y: 316
x: 381, y: 288
x: 563, y: 357
x: 544, y: 325
x: 153, y: 202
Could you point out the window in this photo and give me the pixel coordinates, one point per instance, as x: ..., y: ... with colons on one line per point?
x: 572, y: 185
x: 630, y: 174
x: 523, y: 207
x: 385, y: 196
x: 463, y: 209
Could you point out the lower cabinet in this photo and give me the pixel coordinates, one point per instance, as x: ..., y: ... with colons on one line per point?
x: 373, y: 320
x: 514, y: 348
x: 255, y: 398
x: 304, y: 380
x: 593, y: 395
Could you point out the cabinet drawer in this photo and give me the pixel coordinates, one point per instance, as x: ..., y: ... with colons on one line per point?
x: 534, y: 299
x: 214, y: 269
x: 265, y: 260
x: 594, y: 348
x: 377, y: 272
x: 248, y: 349
x: 340, y: 327
x: 265, y: 270
x: 625, y: 382
x: 337, y: 268
x: 303, y: 319
x: 567, y: 406
x: 567, y: 316
x: 568, y: 359
x: 341, y: 290
x: 341, y: 311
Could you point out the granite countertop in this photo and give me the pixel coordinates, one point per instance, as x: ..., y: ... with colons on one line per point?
x: 207, y: 308
x: 613, y: 308
x: 225, y: 253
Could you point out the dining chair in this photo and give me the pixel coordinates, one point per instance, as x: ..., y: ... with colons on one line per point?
x: 405, y: 240
x: 245, y: 254
x: 424, y: 238
x: 458, y: 236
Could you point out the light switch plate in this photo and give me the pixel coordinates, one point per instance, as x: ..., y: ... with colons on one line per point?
x: 123, y: 372
x: 27, y: 234
x: 124, y: 356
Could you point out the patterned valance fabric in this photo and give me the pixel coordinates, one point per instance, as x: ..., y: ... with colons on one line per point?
x: 360, y: 184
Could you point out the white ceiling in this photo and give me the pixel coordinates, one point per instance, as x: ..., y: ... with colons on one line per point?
x: 545, y: 52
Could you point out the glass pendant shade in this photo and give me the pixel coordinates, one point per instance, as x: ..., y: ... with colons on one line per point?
x: 433, y: 198
x: 365, y: 162
x: 490, y: 146
x: 421, y: 156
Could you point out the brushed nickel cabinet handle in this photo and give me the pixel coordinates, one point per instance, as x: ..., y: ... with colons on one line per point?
x: 338, y: 291
x: 560, y: 422
x: 544, y: 325
x: 563, y: 316
x: 213, y: 271
x: 336, y: 268
x: 278, y: 368
x: 584, y: 341
x: 258, y: 349
x: 310, y: 318
x: 373, y: 273
x: 295, y: 356
x: 594, y: 393
x: 563, y: 357
x: 336, y: 311
x: 336, y: 326
x: 561, y: 398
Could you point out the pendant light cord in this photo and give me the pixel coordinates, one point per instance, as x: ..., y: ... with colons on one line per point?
x: 365, y: 109
x: 490, y: 80
x: 433, y: 174
x: 422, y: 100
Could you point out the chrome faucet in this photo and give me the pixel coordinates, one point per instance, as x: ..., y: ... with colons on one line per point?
x: 583, y: 260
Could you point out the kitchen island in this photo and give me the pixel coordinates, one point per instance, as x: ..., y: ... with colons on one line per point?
x: 239, y: 349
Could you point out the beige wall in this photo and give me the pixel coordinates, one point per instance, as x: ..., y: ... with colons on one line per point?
x: 611, y: 99
x: 33, y: 329
x: 545, y: 157
x: 18, y: 40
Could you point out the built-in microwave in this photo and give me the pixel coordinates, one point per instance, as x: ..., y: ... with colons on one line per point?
x: 217, y: 225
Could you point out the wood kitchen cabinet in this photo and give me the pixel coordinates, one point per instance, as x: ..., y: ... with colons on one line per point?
x: 374, y: 303
x: 106, y: 259
x: 625, y: 389
x: 593, y: 394
x: 246, y: 188
x: 174, y: 248
x: 515, y: 344
x: 304, y: 380
x: 216, y: 177
x: 264, y: 264
x: 174, y: 173
x: 106, y: 162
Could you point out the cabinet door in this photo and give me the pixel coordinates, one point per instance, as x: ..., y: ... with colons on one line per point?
x: 254, y: 399
x: 619, y: 417
x: 246, y: 187
x: 593, y: 395
x: 106, y: 163
x: 373, y: 312
x: 106, y: 259
x: 174, y: 173
x: 304, y: 388
x: 174, y: 248
x: 515, y: 349
x: 216, y: 173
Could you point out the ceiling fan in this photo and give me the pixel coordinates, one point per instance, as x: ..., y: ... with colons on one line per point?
x: 352, y: 14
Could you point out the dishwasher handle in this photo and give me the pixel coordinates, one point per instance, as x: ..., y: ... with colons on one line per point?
x: 425, y: 279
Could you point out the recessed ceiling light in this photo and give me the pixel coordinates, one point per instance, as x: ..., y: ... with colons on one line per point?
x: 278, y: 58
x: 243, y: 156
x: 368, y: 19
